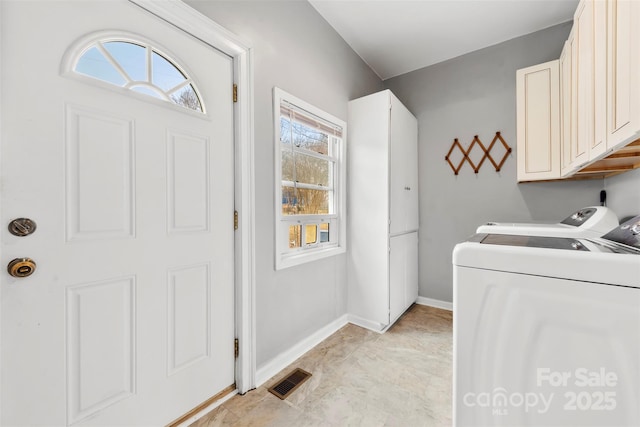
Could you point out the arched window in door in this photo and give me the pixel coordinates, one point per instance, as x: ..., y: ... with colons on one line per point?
x: 140, y: 67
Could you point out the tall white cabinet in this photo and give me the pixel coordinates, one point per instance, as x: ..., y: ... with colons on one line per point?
x: 383, y: 210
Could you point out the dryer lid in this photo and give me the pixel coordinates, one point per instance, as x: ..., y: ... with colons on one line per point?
x: 627, y: 233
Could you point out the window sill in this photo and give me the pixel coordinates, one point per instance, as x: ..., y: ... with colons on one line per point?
x: 310, y: 255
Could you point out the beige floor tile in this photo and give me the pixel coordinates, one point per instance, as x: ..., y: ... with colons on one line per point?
x: 361, y: 378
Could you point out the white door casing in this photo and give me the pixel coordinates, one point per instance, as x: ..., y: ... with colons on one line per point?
x: 154, y: 193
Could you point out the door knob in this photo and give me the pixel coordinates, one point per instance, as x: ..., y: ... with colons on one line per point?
x: 21, y: 267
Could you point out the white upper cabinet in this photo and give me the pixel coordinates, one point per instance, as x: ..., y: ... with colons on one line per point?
x: 623, y: 72
x: 599, y: 98
x: 538, y: 122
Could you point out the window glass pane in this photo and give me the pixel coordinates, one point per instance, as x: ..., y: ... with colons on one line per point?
x: 285, y: 130
x: 310, y: 139
x: 289, y: 201
x: 295, y: 236
x: 310, y: 234
x: 287, y: 165
x: 304, y: 201
x: 187, y: 97
x: 131, y: 57
x: 93, y: 64
x: 324, y: 232
x: 312, y: 202
x: 147, y: 91
x: 165, y: 74
x: 311, y: 170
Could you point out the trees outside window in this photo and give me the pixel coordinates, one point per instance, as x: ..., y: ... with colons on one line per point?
x: 309, y: 180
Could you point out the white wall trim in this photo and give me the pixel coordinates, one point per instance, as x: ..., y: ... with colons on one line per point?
x: 367, y: 324
x: 201, y: 27
x: 287, y: 357
x: 445, y: 305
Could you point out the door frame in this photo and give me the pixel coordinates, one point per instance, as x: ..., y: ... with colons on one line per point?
x: 201, y: 27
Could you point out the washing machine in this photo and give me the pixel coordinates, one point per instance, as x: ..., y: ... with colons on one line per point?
x: 592, y: 221
x: 547, y: 330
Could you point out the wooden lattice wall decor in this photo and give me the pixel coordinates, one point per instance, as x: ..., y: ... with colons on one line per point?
x: 486, y: 154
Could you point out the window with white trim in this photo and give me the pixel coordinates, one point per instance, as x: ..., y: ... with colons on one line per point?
x: 310, y: 182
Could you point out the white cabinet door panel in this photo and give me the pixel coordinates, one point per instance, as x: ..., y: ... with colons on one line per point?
x: 403, y: 180
x: 403, y: 273
x: 623, y: 70
x: 538, y: 122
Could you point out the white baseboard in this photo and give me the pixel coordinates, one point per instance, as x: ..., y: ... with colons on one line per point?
x: 365, y: 323
x: 285, y: 358
x: 445, y: 305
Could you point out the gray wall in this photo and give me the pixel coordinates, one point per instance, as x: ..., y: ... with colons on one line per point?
x: 623, y: 193
x: 475, y: 94
x: 296, y: 50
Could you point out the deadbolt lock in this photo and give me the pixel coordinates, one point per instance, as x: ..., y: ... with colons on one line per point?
x: 22, y: 227
x: 21, y: 267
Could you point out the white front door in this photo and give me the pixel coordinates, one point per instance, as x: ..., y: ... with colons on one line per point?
x: 128, y: 318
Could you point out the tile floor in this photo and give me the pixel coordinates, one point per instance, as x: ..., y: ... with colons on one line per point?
x: 361, y: 378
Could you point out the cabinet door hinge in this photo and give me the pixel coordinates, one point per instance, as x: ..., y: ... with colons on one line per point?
x: 235, y: 92
x: 236, y: 348
x: 235, y: 220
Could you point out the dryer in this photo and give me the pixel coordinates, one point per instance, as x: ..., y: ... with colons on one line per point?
x: 547, y: 330
x: 592, y: 221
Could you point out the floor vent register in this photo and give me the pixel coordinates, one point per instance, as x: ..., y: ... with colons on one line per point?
x: 290, y: 383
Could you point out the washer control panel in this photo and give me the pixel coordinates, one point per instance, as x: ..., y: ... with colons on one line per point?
x: 627, y: 233
x: 579, y: 217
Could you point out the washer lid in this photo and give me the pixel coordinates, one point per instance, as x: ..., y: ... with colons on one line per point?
x: 534, y: 242
x: 590, y: 261
x: 592, y: 221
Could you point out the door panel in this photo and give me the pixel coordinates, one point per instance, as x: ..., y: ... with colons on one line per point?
x: 100, y: 355
x: 623, y: 66
x: 584, y: 65
x: 403, y: 273
x: 538, y: 122
x: 566, y: 100
x: 403, y: 142
x: 100, y: 173
x: 599, y: 142
x: 128, y: 319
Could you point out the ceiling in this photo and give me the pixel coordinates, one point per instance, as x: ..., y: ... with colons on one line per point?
x: 398, y: 36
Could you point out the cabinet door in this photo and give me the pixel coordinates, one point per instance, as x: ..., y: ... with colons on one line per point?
x: 412, y: 269
x: 403, y: 173
x: 599, y: 143
x: 538, y: 122
x: 396, y: 277
x: 403, y: 273
x: 583, y: 22
x: 623, y: 99
x: 566, y: 111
